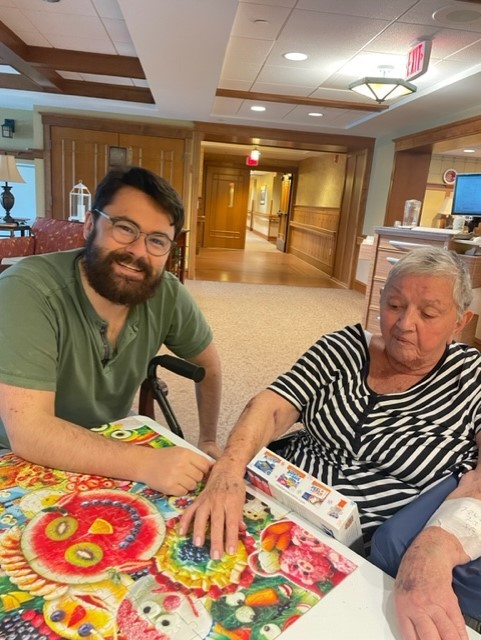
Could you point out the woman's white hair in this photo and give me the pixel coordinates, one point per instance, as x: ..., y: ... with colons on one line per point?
x: 433, y: 261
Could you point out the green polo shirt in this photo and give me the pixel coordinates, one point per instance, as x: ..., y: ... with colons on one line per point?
x: 52, y: 339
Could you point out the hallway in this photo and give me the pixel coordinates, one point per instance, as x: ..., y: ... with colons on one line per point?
x: 259, y: 263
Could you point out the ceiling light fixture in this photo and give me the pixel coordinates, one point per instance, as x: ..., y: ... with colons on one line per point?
x: 258, y: 108
x: 315, y: 114
x: 382, y: 87
x: 294, y: 55
x: 469, y: 150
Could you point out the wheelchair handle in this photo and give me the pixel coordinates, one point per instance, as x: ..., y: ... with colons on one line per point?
x: 176, y: 365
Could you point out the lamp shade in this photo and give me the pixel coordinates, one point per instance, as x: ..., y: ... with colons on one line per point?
x: 382, y: 88
x: 8, y: 170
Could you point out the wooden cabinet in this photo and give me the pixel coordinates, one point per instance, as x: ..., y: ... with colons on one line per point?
x: 176, y: 262
x: 390, y: 244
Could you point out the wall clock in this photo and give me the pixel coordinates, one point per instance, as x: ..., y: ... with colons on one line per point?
x: 449, y: 176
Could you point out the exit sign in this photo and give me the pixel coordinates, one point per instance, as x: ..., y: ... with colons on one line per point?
x: 418, y: 59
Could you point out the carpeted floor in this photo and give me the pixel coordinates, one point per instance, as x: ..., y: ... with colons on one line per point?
x: 259, y: 331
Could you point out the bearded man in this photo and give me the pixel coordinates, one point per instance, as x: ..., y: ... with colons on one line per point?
x: 78, y: 328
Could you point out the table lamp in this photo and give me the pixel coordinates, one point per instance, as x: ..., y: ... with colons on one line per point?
x: 8, y: 173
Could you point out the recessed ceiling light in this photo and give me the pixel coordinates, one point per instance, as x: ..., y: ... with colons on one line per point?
x: 315, y: 114
x: 258, y: 108
x: 295, y: 56
x: 469, y: 150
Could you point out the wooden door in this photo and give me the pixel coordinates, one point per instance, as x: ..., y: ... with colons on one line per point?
x: 226, y: 200
x: 76, y: 154
x: 284, y: 209
x: 163, y: 156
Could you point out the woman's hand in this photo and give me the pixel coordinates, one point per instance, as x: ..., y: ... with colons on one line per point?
x: 426, y: 605
x: 219, y: 507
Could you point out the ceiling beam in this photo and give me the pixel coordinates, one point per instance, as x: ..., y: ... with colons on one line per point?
x: 107, y: 91
x: 82, y: 62
x: 14, y: 52
x: 299, y: 100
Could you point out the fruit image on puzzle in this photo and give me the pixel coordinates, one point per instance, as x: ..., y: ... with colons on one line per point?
x: 85, y: 535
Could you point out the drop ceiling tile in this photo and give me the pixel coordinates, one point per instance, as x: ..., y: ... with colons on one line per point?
x: 56, y: 10
x: 422, y: 12
x: 471, y: 53
x: 382, y: 9
x: 444, y: 41
x: 310, y: 78
x: 83, y: 43
x: 16, y: 20
x: 275, y: 3
x: 68, y: 25
x: 273, y: 110
x: 33, y: 38
x: 246, y: 50
x: 242, y: 73
x: 272, y: 20
x: 311, y: 24
x: 226, y: 106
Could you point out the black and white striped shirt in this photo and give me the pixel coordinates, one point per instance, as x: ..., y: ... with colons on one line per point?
x: 381, y: 450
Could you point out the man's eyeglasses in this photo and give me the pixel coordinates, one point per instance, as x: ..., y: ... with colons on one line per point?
x: 126, y: 232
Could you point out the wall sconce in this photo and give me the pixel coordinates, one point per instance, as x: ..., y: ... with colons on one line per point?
x: 383, y: 87
x: 8, y: 128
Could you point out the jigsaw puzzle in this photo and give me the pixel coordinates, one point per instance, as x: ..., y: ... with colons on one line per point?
x: 86, y: 557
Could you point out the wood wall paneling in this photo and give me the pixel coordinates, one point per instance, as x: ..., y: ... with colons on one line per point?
x: 409, y: 178
x: 312, y: 236
x: 84, y: 154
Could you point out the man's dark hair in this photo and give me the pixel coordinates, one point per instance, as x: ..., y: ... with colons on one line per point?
x: 149, y: 183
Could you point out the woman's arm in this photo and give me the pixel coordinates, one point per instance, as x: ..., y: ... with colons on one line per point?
x: 265, y: 418
x: 425, y: 601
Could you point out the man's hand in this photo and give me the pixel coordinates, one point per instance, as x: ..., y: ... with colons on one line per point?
x: 426, y: 605
x: 220, y: 506
x: 174, y: 470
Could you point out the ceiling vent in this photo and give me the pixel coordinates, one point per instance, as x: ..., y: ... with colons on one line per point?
x: 456, y: 17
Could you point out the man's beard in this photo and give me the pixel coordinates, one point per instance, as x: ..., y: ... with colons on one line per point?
x: 117, y: 288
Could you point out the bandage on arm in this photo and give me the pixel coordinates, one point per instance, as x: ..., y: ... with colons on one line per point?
x: 462, y: 518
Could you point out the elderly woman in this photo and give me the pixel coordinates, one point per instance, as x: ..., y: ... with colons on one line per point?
x: 385, y: 417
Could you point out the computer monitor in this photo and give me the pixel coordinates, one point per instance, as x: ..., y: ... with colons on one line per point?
x: 467, y: 195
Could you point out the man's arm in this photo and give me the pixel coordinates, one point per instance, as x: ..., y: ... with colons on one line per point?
x: 426, y: 604
x: 208, y: 394
x: 37, y: 435
x: 265, y: 418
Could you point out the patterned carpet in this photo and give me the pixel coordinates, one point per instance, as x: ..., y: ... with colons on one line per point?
x: 259, y: 331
